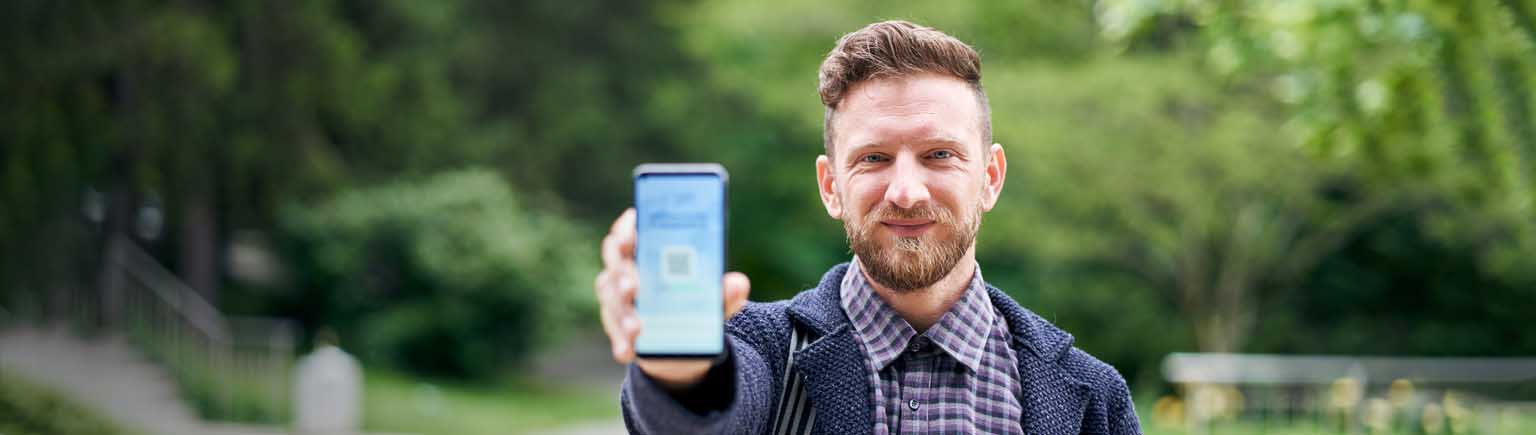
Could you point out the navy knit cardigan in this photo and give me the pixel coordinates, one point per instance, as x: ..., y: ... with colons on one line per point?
x: 1066, y: 391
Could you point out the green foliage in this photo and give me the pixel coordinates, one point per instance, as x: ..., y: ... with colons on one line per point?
x: 26, y: 409
x: 232, y: 108
x: 1431, y: 96
x: 452, y: 274
x: 1400, y: 289
x: 214, y: 387
x: 571, y: 94
x: 1143, y: 223
x: 1186, y: 174
x: 1428, y: 106
x: 397, y: 403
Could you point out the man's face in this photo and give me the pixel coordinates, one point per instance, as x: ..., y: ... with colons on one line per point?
x: 910, y: 176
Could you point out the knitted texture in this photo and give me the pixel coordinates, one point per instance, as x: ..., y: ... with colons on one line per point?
x: 1066, y: 391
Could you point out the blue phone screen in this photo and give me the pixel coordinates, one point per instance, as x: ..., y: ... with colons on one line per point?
x: 680, y: 253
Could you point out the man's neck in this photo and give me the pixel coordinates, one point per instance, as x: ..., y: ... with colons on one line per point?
x: 923, y: 307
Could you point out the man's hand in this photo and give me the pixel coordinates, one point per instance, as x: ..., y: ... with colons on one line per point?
x: 616, y: 286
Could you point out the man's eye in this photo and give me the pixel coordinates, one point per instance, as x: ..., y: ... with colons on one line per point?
x: 941, y: 154
x: 872, y: 158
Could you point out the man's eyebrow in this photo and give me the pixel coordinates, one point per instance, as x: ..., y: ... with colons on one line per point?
x: 942, y: 139
x: 931, y: 140
x: 861, y: 147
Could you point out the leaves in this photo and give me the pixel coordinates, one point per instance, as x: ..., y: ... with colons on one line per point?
x: 453, y: 274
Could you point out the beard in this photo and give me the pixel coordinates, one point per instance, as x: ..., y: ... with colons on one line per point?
x: 911, y: 263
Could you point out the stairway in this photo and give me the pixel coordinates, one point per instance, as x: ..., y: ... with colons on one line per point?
x: 109, y: 375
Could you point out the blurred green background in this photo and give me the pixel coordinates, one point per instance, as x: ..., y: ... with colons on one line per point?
x: 431, y: 178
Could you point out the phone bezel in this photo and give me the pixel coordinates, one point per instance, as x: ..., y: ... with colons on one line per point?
x: 665, y: 169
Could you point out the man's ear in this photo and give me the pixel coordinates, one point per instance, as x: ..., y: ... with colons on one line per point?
x: 997, y: 170
x: 826, y: 182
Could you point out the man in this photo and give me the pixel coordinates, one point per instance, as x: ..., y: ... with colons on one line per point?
x: 906, y: 337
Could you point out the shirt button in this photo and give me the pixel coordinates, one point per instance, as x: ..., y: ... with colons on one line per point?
x: 912, y: 404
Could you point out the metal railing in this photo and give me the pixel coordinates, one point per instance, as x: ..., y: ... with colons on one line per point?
x: 232, y: 368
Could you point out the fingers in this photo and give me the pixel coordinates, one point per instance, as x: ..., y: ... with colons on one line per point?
x: 616, y: 297
x: 605, y: 290
x: 619, y: 244
x: 618, y: 283
x: 737, y: 286
x: 616, y: 286
x: 625, y: 222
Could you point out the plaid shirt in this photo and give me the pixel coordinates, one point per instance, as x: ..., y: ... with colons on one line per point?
x: 958, y: 377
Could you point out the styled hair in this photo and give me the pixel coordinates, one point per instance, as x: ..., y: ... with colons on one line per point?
x: 892, y: 49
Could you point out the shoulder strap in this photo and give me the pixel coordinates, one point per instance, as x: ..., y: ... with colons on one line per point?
x: 794, y: 414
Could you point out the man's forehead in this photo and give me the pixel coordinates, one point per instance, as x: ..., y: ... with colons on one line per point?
x: 908, y: 91
x: 922, y: 108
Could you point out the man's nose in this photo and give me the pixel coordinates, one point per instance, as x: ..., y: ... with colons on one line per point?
x: 908, y: 186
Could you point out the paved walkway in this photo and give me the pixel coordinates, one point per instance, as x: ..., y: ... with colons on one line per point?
x: 583, y: 361
x: 108, y: 375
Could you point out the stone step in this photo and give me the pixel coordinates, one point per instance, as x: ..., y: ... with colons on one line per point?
x: 110, y: 376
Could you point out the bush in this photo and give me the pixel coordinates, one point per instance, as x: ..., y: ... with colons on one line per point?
x: 26, y: 409
x: 453, y: 274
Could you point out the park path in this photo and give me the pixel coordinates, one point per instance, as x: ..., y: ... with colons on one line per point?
x: 582, y: 361
x: 109, y: 376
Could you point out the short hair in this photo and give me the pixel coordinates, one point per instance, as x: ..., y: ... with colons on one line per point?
x: 892, y: 49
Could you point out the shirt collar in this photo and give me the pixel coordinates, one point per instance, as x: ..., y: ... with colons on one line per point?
x: 961, y: 332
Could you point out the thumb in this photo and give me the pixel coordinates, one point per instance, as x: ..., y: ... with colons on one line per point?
x: 737, y: 286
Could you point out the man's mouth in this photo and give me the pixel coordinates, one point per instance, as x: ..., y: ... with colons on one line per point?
x: 907, y: 227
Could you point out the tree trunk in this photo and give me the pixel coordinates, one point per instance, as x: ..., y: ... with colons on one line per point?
x: 200, y: 245
x: 122, y: 194
x: 1218, y: 333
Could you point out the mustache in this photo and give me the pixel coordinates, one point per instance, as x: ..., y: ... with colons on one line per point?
x: 929, y: 212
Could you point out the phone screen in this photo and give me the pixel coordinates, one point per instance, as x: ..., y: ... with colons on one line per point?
x: 680, y: 253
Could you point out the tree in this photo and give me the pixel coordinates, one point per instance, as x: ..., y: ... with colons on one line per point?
x: 1426, y: 104
x: 1180, y: 185
x: 218, y: 112
x: 452, y: 275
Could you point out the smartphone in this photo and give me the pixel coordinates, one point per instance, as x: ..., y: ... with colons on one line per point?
x: 680, y: 254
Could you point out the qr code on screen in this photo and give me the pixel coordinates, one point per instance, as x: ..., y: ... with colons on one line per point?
x: 677, y: 263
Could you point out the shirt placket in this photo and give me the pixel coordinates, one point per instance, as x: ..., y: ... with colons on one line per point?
x: 916, y: 370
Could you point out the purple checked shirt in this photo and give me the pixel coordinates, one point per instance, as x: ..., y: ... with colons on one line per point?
x: 960, y: 376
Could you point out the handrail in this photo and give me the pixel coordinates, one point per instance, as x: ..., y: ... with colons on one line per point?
x: 261, y: 329
x: 175, y: 293
x: 234, y: 367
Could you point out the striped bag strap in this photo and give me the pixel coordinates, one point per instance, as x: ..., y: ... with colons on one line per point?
x: 794, y: 415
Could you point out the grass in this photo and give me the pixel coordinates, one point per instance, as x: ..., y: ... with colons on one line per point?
x: 222, y: 397
x: 1488, y: 421
x: 219, y: 394
x: 1505, y: 422
x: 1497, y: 426
x: 27, y: 409
x: 395, y: 403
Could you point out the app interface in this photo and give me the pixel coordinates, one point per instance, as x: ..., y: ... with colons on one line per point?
x: 680, y: 253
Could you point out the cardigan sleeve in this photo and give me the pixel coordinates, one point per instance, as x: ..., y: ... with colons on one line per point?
x: 1111, y: 411
x: 1121, y: 410
x: 743, y: 380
